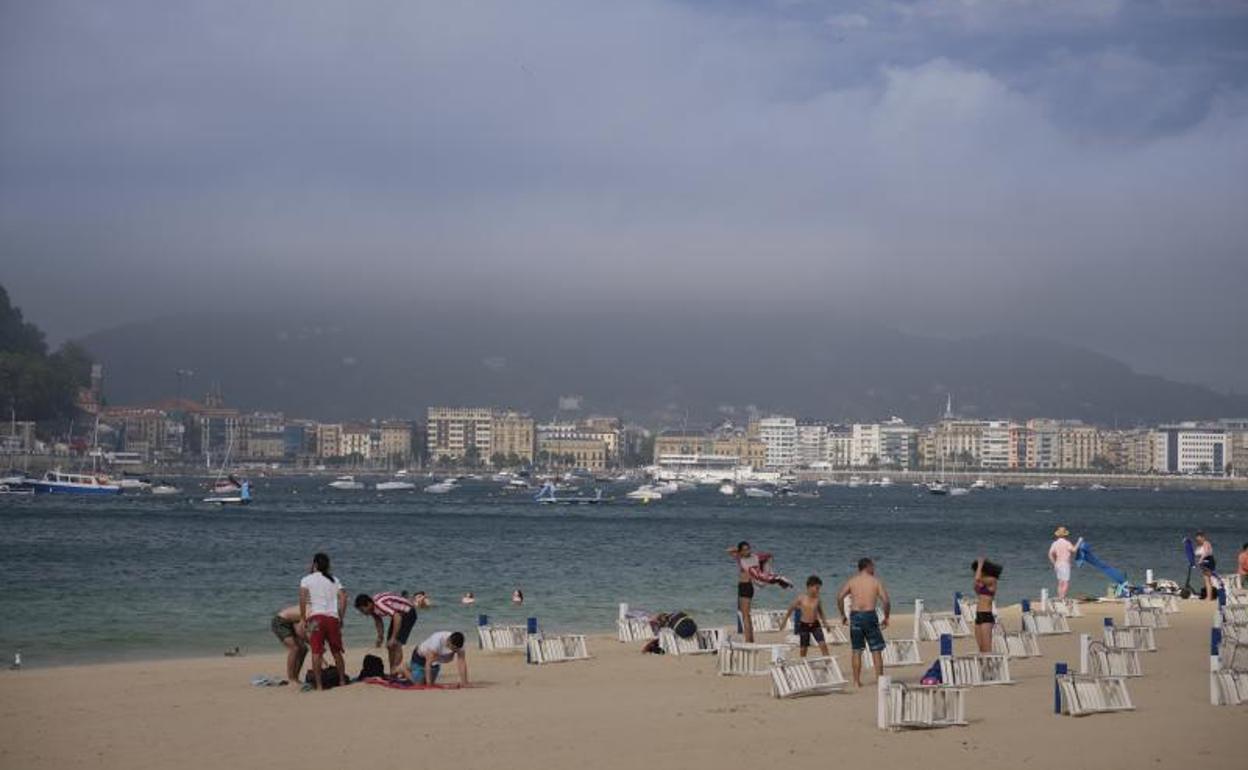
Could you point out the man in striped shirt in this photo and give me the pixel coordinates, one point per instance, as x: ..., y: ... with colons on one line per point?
x: 402, y: 614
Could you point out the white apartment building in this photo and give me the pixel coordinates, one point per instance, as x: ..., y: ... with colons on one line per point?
x: 779, y: 437
x: 865, y: 448
x: 898, y: 445
x: 455, y: 432
x: 994, y: 445
x: 811, y: 441
x: 838, y: 446
x: 1191, y: 448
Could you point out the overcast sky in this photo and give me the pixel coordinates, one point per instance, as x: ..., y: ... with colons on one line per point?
x: 1069, y: 168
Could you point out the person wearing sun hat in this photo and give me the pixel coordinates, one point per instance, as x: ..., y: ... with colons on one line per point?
x: 1060, y: 555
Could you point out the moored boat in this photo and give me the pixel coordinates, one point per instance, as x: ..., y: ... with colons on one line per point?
x: 56, y: 482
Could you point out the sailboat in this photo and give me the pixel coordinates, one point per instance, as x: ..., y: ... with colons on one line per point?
x: 226, y: 489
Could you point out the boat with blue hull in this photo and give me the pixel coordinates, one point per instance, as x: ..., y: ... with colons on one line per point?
x: 59, y: 483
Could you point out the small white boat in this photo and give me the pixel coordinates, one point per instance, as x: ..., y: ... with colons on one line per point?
x: 885, y: 481
x: 1048, y: 486
x: 645, y: 493
x: 938, y: 488
x: 727, y: 489
x: 241, y: 497
x: 1098, y: 488
x: 14, y: 490
x: 854, y: 482
x: 164, y: 490
x: 346, y: 482
x: 667, y: 488
x: 442, y: 487
x: 133, y: 484
x: 958, y: 491
x: 980, y: 484
x: 759, y: 493
x: 396, y: 484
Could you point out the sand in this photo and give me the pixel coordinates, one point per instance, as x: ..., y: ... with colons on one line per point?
x: 619, y: 710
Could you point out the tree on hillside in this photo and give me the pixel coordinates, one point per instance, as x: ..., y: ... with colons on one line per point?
x: 36, y: 385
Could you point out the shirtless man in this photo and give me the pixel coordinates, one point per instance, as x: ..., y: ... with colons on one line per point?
x: 289, y: 629
x: 865, y: 592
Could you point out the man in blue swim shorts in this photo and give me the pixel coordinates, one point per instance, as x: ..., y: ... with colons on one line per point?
x: 865, y: 592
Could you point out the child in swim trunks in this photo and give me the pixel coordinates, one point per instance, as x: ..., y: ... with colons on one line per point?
x: 810, y: 617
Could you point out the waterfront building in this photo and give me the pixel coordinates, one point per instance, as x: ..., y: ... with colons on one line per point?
x: 959, y: 442
x: 898, y: 447
x: 995, y: 444
x: 262, y: 436
x: 1080, y: 446
x: 1020, y: 438
x: 865, y: 446
x: 514, y: 438
x: 328, y: 439
x: 779, y: 437
x: 1137, y: 451
x: 355, y: 442
x: 1043, y: 444
x: 394, y: 442
x: 460, y: 434
x: 571, y: 451
x: 1191, y: 448
x: 838, y: 446
x: 811, y: 439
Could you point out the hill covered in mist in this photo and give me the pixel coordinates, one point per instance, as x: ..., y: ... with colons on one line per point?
x: 660, y: 369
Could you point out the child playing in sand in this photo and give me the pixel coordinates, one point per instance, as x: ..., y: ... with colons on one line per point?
x: 810, y: 619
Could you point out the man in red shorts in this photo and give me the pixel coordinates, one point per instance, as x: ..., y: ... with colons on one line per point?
x: 322, y: 605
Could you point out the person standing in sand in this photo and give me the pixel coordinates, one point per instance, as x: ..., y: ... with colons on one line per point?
x: 1243, y: 563
x: 752, y: 567
x: 1206, y: 563
x: 287, y: 625
x: 986, y: 576
x: 322, y: 606
x: 1061, y: 552
x: 402, y: 615
x: 865, y: 592
x: 810, y: 618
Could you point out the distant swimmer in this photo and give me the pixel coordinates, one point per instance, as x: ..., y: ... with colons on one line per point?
x: 1061, y: 553
x: 419, y: 599
x: 986, y: 576
x: 468, y: 598
x: 517, y: 597
x: 810, y: 617
x: 752, y: 568
x: 866, y: 593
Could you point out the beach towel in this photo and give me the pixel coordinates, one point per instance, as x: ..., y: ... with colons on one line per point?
x: 403, y: 684
x: 758, y: 567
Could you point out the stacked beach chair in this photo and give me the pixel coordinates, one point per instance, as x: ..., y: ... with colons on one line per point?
x: 1082, y: 694
x: 746, y: 659
x: 1015, y: 644
x: 764, y: 621
x: 905, y: 706
x: 1141, y: 610
x: 1228, y: 656
x: 1043, y: 622
x: 805, y: 676
x: 972, y: 670
x: 703, y: 642
x: 1139, y: 638
x: 1102, y: 660
x: 500, y: 637
x: 930, y: 626
x: 556, y: 648
x: 632, y: 629
x: 1066, y: 607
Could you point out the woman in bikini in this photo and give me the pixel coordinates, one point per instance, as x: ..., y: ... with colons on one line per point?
x: 986, y: 576
x: 752, y: 567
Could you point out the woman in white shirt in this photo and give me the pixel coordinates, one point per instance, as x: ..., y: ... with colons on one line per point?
x: 1207, y: 564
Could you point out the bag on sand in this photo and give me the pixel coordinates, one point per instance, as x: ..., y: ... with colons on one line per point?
x: 372, y: 667
x: 329, y: 678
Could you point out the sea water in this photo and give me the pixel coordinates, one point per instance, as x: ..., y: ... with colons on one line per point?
x: 141, y: 576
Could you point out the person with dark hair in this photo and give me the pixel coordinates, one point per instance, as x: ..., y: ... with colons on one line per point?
x: 1207, y: 564
x: 751, y: 568
x: 810, y: 620
x: 866, y: 592
x: 322, y: 607
x: 428, y: 657
x: 986, y: 576
x: 402, y: 614
x: 287, y: 625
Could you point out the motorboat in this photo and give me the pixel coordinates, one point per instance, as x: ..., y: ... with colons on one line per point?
x: 56, y: 482
x: 1098, y: 488
x: 241, y: 497
x: 133, y: 484
x: 162, y: 489
x: 396, y: 484
x: 727, y: 489
x: 346, y: 483
x: 980, y: 484
x: 938, y: 488
x: 645, y: 493
x: 13, y: 478
x: 1047, y: 486
x: 503, y: 477
x: 442, y: 487
x: 958, y: 491
x: 667, y: 488
x: 759, y: 493
x: 854, y: 482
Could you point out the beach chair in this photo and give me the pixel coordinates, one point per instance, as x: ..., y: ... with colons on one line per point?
x: 1065, y: 607
x: 1236, y: 631
x: 765, y: 621
x: 1234, y: 582
x: 501, y: 637
x: 930, y: 626
x: 705, y: 641
x: 1042, y: 622
x: 630, y: 628
x: 1100, y: 660
x: 745, y: 659
x: 971, y: 670
x: 897, y: 653
x: 1228, y: 670
x: 1016, y: 644
x: 1236, y: 597
x: 1234, y: 614
x: 906, y: 706
x: 556, y: 648
x: 1079, y: 694
x: 1139, y: 638
x: 833, y: 633
x: 805, y: 676
x: 1136, y: 615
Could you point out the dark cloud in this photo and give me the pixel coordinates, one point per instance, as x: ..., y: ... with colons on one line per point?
x: 1067, y: 168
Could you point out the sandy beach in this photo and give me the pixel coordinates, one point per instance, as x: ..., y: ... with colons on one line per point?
x: 621, y: 709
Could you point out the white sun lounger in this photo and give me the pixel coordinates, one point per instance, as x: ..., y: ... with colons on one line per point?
x: 1139, y: 638
x: 1236, y: 631
x: 556, y: 648
x: 1045, y: 623
x: 929, y: 626
x: 1234, y: 614
x: 975, y: 670
x: 832, y: 634
x: 904, y: 706
x: 501, y: 637
x: 746, y: 659
x: 764, y: 621
x: 705, y: 641
x: 1016, y: 644
x: 1066, y: 607
x: 805, y: 676
x: 897, y: 653
x: 1081, y: 695
x: 634, y: 630
x: 1136, y: 615
x: 1098, y: 659
x: 1228, y: 670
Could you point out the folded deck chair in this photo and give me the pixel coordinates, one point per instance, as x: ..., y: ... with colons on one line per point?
x: 897, y: 653
x: 704, y: 641
x: 1016, y: 644
x: 805, y: 676
x: 764, y: 621
x: 632, y: 629
x: 501, y: 637
x: 1139, y: 638
x: 556, y: 648
x: 1101, y: 660
x: 1045, y: 623
x: 746, y: 659
x: 975, y: 670
x: 930, y: 626
x: 1080, y: 694
x: 906, y: 706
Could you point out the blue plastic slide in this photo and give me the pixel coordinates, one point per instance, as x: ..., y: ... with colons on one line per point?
x: 1084, y: 555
